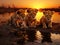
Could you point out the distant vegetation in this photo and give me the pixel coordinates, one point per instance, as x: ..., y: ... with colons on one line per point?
x: 4, y: 9
x: 52, y: 9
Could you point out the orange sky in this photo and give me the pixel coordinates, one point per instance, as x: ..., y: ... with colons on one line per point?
x: 31, y: 3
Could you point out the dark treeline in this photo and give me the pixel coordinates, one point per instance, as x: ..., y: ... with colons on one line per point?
x: 9, y: 9
x: 52, y: 9
x: 4, y: 10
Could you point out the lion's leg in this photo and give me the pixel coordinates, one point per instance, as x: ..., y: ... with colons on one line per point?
x: 44, y: 25
x: 43, y: 22
x: 24, y: 25
x: 29, y: 23
x: 17, y: 24
x: 50, y: 24
x: 33, y: 24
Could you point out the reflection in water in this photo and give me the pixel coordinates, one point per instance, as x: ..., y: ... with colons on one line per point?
x: 55, y: 38
x: 37, y: 37
x: 31, y: 35
x: 49, y: 38
x: 46, y: 37
x: 21, y: 37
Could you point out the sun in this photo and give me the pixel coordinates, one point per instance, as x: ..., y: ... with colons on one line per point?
x: 36, y: 6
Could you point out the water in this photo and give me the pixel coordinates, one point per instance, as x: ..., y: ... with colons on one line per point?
x: 43, y: 38
x: 34, y: 37
x: 5, y: 17
x: 49, y: 38
x: 55, y: 17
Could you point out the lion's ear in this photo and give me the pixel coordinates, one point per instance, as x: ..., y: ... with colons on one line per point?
x: 44, y: 12
x: 36, y: 10
x: 53, y: 12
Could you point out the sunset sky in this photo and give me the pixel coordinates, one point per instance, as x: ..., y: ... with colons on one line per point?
x: 31, y: 3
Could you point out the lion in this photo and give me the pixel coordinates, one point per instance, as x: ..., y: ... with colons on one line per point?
x: 19, y: 19
x: 30, y: 18
x: 46, y: 19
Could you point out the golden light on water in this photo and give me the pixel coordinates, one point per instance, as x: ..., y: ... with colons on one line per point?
x: 38, y: 35
x: 39, y: 15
